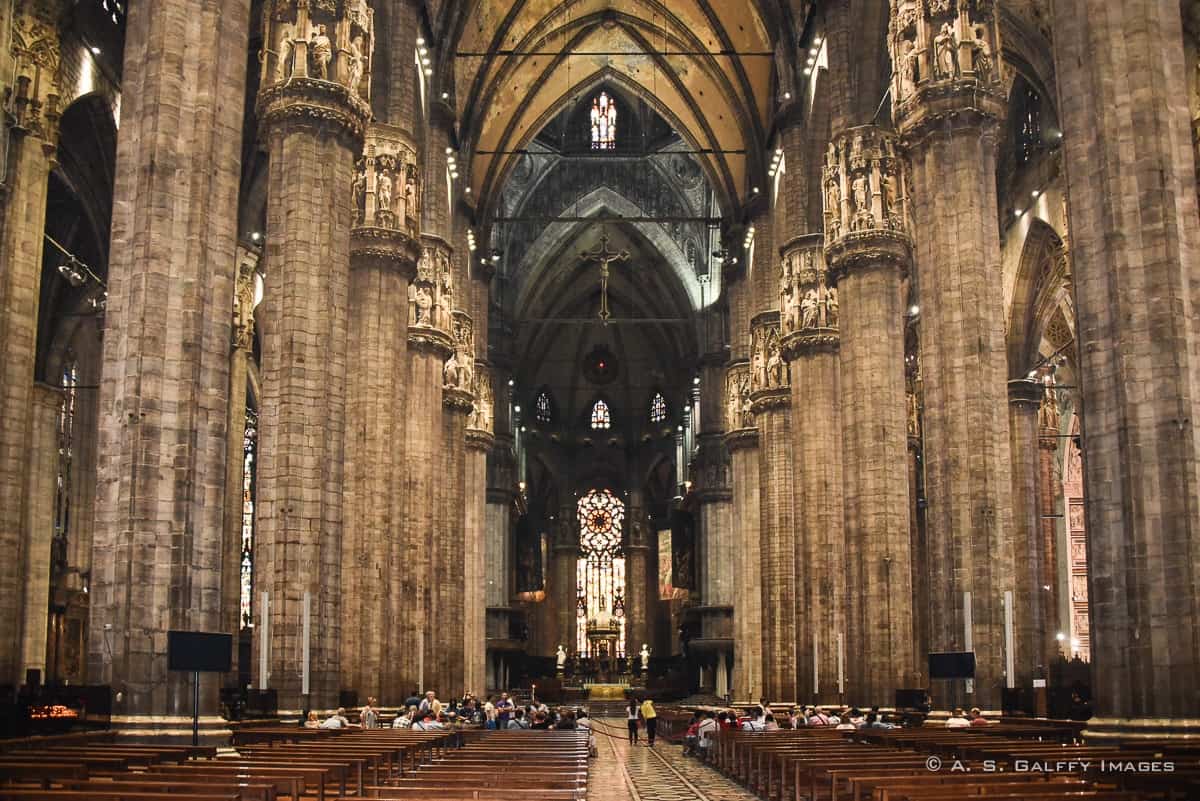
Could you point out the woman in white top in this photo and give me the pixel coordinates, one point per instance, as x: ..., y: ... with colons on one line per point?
x: 631, y: 720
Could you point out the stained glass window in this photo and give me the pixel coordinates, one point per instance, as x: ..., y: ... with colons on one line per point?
x: 66, y: 448
x: 600, y: 571
x: 658, y: 408
x: 249, y: 472
x: 1031, y: 125
x: 542, y: 411
x: 603, y: 119
x: 601, y: 417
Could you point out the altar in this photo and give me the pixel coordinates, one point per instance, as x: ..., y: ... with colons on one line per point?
x: 606, y: 692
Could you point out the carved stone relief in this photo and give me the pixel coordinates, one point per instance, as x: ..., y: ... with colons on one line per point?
x: 737, y: 394
x: 941, y: 41
x: 767, y: 368
x: 459, y: 370
x: 807, y: 300
x: 324, y: 40
x: 864, y: 185
x: 385, y: 185
x: 431, y: 293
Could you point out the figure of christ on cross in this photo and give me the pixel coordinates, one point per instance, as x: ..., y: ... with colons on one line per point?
x: 602, y: 255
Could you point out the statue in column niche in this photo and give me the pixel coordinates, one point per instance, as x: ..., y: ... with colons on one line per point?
x: 789, y: 301
x: 737, y: 389
x: 914, y: 412
x: 758, y: 361
x: 451, y: 371
x: 809, y: 308
x: 860, y: 187
x: 483, y: 410
x: 945, y: 48
x: 1049, y: 416
x: 358, y: 189
x: 464, y: 345
x: 560, y: 658
x: 286, y: 52
x: 888, y: 185
x: 776, y: 369
x: 445, y: 290
x: 421, y: 291
x: 831, y: 307
x: 981, y: 53
x: 383, y: 197
x: 320, y: 52
x: 356, y: 66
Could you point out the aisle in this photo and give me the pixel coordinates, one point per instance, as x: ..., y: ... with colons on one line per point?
x: 622, y: 772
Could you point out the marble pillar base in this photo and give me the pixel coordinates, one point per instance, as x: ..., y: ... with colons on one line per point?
x: 1119, y: 730
x: 170, y: 729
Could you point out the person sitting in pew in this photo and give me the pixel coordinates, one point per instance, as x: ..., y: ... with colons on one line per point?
x: 816, y: 717
x: 875, y: 721
x: 312, y: 722
x: 427, y: 723
x: 706, y: 731
x: 405, y: 719
x: 957, y: 720
x: 977, y: 718
x: 769, y: 722
x: 519, y: 722
x: 337, y: 720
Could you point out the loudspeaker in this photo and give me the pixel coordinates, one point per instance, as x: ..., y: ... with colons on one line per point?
x: 199, y: 652
x: 952, y: 665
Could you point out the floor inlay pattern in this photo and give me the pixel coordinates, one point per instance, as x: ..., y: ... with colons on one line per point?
x: 639, y: 773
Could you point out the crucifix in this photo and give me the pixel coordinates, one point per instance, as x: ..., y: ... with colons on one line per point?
x: 604, y: 257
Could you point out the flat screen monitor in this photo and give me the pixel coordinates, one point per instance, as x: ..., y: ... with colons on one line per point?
x: 198, y: 651
x: 952, y: 665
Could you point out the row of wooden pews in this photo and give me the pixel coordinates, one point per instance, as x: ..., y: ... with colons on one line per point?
x: 947, y: 765
x: 277, y: 764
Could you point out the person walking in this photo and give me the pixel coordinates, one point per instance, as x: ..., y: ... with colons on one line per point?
x: 651, y: 718
x: 631, y: 719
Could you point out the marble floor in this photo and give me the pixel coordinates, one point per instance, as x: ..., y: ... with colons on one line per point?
x: 624, y: 772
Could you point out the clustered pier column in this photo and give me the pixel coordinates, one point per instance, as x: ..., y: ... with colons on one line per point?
x: 948, y: 100
x: 384, y: 250
x: 741, y: 440
x: 314, y: 113
x: 808, y: 304
x: 869, y: 252
x: 164, y: 393
x: 770, y: 400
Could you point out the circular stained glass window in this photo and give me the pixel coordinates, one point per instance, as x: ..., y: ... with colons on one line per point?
x: 600, y: 516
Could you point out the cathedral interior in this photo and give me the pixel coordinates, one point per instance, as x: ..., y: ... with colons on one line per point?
x: 727, y: 349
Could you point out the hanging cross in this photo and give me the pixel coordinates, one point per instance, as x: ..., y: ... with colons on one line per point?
x: 604, y: 257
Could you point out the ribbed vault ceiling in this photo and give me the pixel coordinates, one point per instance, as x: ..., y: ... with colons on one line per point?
x: 705, y: 65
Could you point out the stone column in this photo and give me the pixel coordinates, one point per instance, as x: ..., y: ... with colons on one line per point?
x: 808, y: 308
x: 869, y: 251
x: 314, y: 114
x: 948, y: 103
x: 641, y: 554
x: 430, y: 345
x: 480, y: 441
x: 916, y: 522
x: 383, y: 257
x: 1030, y: 622
x: 42, y: 475
x: 741, y: 440
x: 241, y: 353
x: 564, y: 551
x: 1134, y: 246
x: 447, y: 616
x: 162, y: 446
x: 33, y: 134
x: 1049, y: 493
x: 770, y: 398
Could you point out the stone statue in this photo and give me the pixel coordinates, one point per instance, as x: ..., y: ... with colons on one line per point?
x: 981, y: 53
x: 906, y: 64
x: 560, y: 658
x: 466, y: 372
x: 451, y: 371
x: 914, y: 415
x: 422, y: 299
x: 831, y: 307
x: 945, y: 46
x: 861, y: 189
x: 321, y: 50
x: 1049, y: 416
x: 357, y: 65
x: 383, y: 192
x: 287, y: 49
x: 359, y: 189
x: 747, y: 406
x: 758, y: 375
x: 775, y: 366
x: 833, y: 198
x: 887, y: 184
x: 734, y: 403
x: 645, y: 657
x: 808, y: 309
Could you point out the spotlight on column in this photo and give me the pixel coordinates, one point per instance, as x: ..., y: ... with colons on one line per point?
x: 914, y: 310
x: 1060, y: 636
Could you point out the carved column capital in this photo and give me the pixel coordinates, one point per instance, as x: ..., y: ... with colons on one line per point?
x: 384, y: 249
x: 768, y: 371
x: 36, y: 48
x: 866, y: 209
x: 317, y: 61
x: 808, y: 300
x: 946, y: 65
x: 741, y: 439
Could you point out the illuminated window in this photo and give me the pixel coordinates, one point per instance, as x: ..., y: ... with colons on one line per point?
x: 1030, y: 138
x: 249, y: 471
x: 66, y: 452
x: 601, y: 417
x: 542, y: 409
x: 658, y: 408
x: 600, y: 573
x: 603, y: 119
